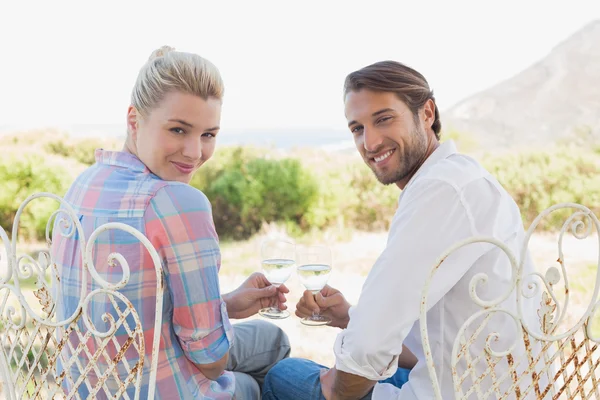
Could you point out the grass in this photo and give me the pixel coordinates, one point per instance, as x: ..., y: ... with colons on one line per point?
x: 584, y: 283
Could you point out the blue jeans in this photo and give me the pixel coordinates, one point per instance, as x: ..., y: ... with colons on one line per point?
x: 298, y: 379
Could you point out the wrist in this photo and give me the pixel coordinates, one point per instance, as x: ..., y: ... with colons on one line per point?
x: 343, y: 323
x: 346, y: 319
x: 228, y: 298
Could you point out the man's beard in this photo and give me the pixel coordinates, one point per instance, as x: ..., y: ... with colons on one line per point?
x: 411, y: 156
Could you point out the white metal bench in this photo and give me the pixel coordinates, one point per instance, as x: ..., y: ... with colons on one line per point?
x: 42, y: 357
x: 561, y: 354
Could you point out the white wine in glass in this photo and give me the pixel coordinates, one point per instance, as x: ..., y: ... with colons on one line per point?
x: 277, y: 266
x: 314, y: 269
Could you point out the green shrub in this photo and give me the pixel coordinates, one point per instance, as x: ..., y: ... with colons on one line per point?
x: 81, y: 150
x: 21, y: 177
x: 538, y: 180
x: 351, y: 196
x: 335, y: 197
x: 375, y: 204
x: 225, y: 158
x: 246, y: 194
x: 346, y: 194
x: 305, y: 189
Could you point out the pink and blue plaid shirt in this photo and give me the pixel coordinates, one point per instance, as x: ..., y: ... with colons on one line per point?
x: 177, y: 220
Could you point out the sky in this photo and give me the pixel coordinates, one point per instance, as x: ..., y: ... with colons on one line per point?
x: 68, y: 63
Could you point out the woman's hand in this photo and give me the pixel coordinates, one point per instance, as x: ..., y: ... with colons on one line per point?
x: 255, y: 293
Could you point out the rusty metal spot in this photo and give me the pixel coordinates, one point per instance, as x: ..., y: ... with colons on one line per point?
x: 513, y: 374
x: 135, y: 368
x: 121, y: 353
x: 439, y: 263
x: 38, y: 349
x: 526, y: 340
x: 56, y: 274
x: 536, y: 379
x: 45, y: 299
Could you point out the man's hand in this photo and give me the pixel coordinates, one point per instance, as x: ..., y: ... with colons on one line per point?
x: 338, y: 385
x: 255, y: 293
x: 329, y: 302
x: 327, y: 380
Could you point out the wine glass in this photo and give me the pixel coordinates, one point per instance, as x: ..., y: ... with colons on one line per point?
x: 314, y: 268
x: 277, y: 266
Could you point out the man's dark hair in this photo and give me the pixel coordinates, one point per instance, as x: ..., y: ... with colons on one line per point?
x: 390, y: 76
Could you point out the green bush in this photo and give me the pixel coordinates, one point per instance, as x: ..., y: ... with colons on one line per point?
x: 345, y: 193
x: 82, y: 150
x: 375, y: 203
x: 351, y: 196
x: 538, y: 180
x: 305, y: 189
x: 335, y: 197
x: 21, y: 177
x: 249, y: 191
x: 225, y: 158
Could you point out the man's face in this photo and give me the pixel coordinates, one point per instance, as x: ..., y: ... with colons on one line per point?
x: 391, y: 140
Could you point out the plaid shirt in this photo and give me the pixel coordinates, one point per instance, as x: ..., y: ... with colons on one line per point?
x: 177, y: 220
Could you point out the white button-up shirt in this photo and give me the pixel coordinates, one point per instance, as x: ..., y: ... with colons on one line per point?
x: 450, y: 198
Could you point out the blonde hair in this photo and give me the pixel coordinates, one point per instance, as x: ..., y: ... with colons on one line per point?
x: 168, y: 70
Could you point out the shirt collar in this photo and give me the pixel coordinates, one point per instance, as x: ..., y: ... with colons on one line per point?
x: 120, y: 159
x: 443, y: 151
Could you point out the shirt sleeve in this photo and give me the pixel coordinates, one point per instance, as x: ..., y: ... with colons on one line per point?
x: 431, y: 217
x: 180, y: 225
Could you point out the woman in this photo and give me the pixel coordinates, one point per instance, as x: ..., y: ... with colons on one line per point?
x: 172, y: 126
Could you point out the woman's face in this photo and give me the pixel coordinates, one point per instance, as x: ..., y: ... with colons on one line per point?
x: 177, y: 136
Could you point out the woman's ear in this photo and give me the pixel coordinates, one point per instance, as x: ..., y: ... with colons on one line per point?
x: 132, y: 122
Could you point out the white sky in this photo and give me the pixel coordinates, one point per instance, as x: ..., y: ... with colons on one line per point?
x: 283, y: 62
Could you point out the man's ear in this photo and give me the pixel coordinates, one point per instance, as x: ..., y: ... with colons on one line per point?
x: 132, y: 122
x: 428, y: 113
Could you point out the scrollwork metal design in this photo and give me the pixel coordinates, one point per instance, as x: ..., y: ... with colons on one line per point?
x: 568, y: 350
x: 477, y: 280
x: 21, y: 326
x: 581, y: 224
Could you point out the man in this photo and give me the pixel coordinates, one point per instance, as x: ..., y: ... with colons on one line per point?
x: 446, y: 197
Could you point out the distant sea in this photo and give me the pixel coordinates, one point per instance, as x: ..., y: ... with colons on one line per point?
x: 327, y: 139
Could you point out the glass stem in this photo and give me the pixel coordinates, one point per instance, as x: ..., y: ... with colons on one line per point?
x: 315, y: 315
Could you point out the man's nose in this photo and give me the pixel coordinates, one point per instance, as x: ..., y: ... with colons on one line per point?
x: 372, y: 140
